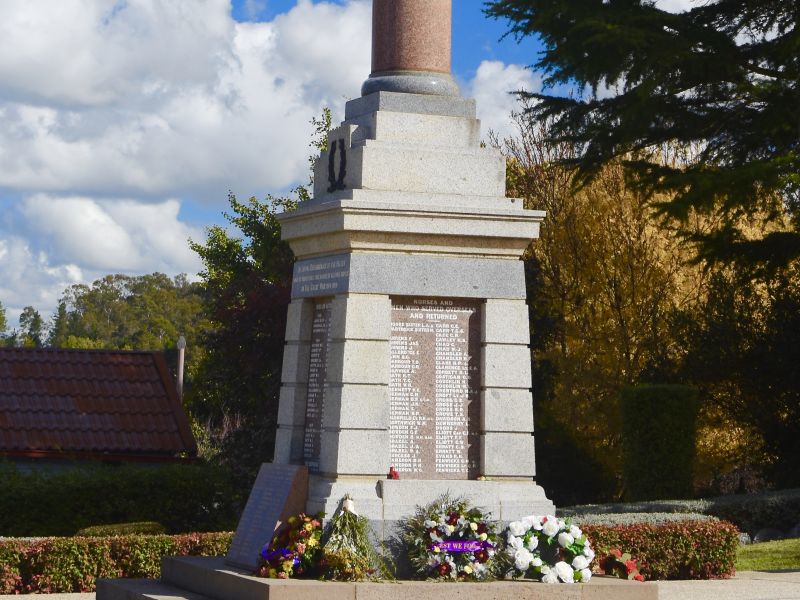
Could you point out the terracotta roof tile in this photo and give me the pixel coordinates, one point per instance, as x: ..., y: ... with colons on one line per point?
x: 90, y: 402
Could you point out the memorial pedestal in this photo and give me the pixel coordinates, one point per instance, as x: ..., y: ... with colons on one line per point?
x: 407, y: 337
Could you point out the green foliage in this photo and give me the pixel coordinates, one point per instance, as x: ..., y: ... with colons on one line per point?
x: 3, y: 321
x: 638, y: 518
x: 749, y: 512
x: 348, y: 551
x: 717, y: 81
x: 140, y: 528
x: 769, y: 556
x: 658, y: 440
x: 31, y: 327
x: 742, y: 349
x: 183, y: 497
x: 679, y: 550
x: 65, y: 565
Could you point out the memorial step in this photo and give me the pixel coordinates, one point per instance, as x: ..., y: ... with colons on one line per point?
x: 142, y: 589
x: 201, y: 578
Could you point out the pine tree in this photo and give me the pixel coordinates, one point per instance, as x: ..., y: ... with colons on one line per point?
x: 719, y: 82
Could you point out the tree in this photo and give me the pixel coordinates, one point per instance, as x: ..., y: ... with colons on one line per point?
x: 59, y: 326
x: 31, y: 327
x: 247, y: 278
x: 3, y: 321
x: 719, y: 79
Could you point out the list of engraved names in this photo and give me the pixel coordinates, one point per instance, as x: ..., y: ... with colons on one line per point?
x: 434, y: 387
x: 317, y: 365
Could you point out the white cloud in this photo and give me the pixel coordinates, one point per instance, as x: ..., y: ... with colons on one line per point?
x: 494, y: 81
x: 675, y: 6
x: 147, y: 98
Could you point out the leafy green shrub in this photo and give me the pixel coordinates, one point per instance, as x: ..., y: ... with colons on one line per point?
x: 64, y: 565
x: 142, y: 528
x: 182, y: 497
x: 638, y: 518
x: 676, y: 550
x: 658, y: 438
x: 749, y: 512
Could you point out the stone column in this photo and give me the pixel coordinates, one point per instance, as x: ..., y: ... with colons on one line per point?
x: 411, y: 48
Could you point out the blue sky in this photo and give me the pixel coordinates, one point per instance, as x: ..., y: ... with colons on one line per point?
x: 124, y: 123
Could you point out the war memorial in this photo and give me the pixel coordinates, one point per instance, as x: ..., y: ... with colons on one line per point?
x: 406, y: 369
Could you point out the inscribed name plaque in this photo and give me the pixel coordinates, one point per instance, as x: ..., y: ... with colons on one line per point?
x: 317, y: 367
x: 434, y: 387
x: 279, y: 492
x: 324, y: 276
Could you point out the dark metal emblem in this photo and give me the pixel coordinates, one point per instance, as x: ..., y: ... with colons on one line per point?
x: 337, y: 182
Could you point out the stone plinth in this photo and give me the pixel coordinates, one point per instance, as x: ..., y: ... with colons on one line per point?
x: 409, y: 282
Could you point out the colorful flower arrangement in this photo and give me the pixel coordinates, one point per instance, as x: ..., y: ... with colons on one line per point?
x: 548, y: 549
x: 620, y: 565
x: 294, y: 550
x: 449, y: 540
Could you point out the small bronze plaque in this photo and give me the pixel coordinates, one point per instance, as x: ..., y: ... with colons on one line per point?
x: 434, y: 388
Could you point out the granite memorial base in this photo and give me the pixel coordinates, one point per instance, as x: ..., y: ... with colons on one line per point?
x: 193, y: 578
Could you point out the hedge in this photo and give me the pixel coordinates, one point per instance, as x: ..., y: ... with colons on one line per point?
x: 676, y: 550
x: 182, y: 497
x: 65, y: 565
x: 142, y: 528
x: 658, y: 440
x: 749, y: 512
x: 638, y: 518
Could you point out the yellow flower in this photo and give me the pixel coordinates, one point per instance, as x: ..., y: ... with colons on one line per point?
x: 483, y: 537
x: 287, y: 566
x: 312, y: 542
x: 436, y: 549
x: 451, y: 528
x: 473, y: 526
x: 308, y: 526
x: 273, y: 573
x: 467, y: 569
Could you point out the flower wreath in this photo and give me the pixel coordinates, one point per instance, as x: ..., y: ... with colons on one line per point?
x: 450, y: 540
x: 294, y: 549
x: 548, y: 549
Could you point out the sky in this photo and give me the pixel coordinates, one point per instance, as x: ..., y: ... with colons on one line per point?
x: 124, y: 123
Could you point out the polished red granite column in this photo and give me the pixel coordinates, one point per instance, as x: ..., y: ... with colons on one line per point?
x: 411, y: 47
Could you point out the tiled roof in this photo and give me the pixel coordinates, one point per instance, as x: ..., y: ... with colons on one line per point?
x: 90, y: 404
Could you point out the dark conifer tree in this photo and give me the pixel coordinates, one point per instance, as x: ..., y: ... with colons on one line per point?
x: 722, y: 79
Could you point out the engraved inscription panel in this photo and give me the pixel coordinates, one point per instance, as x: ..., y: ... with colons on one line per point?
x: 434, y: 388
x: 321, y: 276
x: 279, y: 492
x: 315, y: 400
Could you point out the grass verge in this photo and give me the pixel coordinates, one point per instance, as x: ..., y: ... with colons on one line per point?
x: 769, y: 556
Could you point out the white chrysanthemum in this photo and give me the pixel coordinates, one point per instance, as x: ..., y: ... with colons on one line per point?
x: 533, y: 543
x: 536, y: 562
x: 522, y: 559
x: 517, y: 528
x: 550, y: 527
x: 565, y: 539
x: 528, y: 522
x: 588, y: 552
x: 575, y: 531
x: 580, y: 562
x: 515, y: 542
x: 550, y: 578
x: 564, y: 571
x: 430, y: 524
x: 586, y: 575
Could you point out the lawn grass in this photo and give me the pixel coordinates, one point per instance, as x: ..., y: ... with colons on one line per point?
x: 769, y: 556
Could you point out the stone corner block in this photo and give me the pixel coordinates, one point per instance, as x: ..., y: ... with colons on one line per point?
x: 355, y: 452
x: 507, y: 455
x: 296, y: 357
x: 356, y: 407
x: 505, y: 322
x: 506, y: 410
x: 361, y: 317
x: 299, y: 320
x: 506, y: 365
x: 359, y: 361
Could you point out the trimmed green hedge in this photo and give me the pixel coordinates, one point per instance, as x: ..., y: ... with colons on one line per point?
x: 749, y: 512
x: 143, y: 528
x: 638, y: 518
x: 64, y: 565
x: 182, y: 497
x: 677, y: 550
x: 658, y: 440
